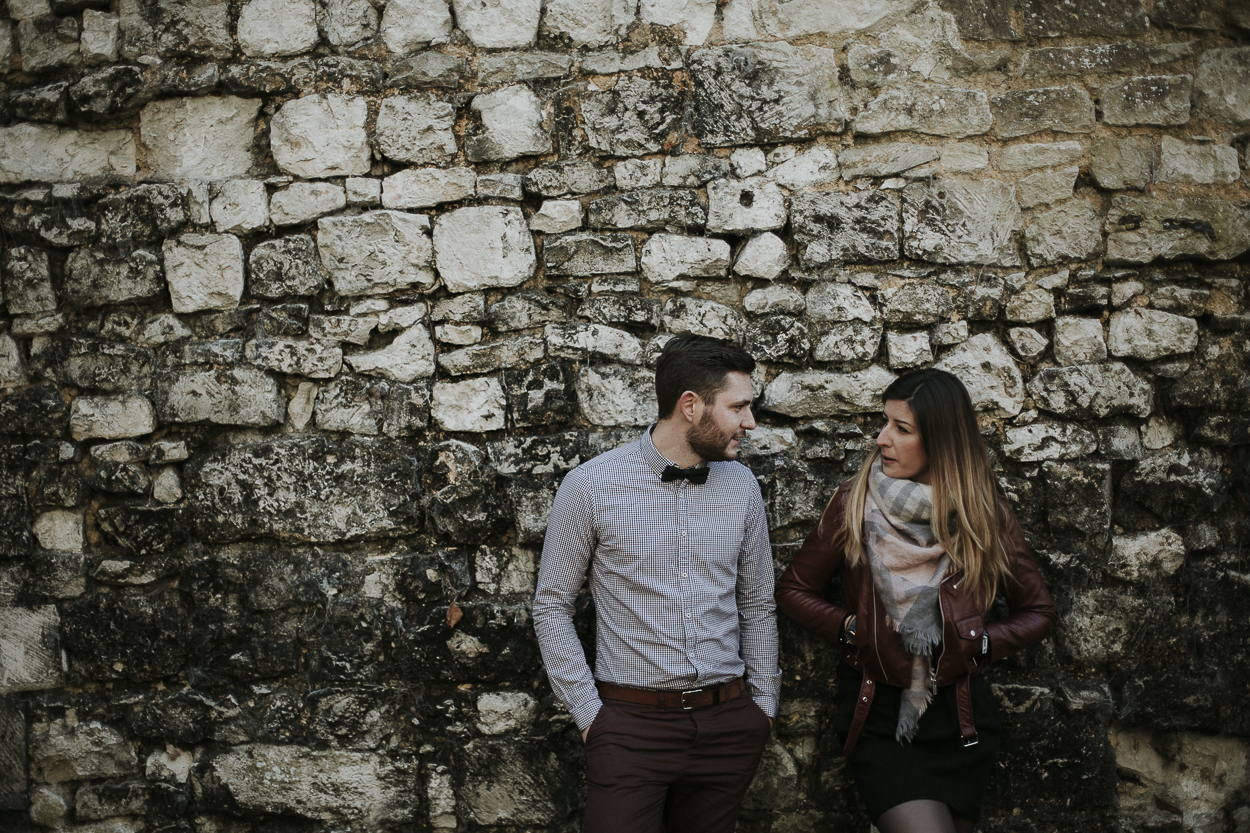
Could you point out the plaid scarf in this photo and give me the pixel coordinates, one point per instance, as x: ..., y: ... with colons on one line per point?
x: 907, y: 566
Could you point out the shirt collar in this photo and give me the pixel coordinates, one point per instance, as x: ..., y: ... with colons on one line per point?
x: 657, y: 461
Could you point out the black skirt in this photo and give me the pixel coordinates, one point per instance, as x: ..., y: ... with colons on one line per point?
x: 935, y: 765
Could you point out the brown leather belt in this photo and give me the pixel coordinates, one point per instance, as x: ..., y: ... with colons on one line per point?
x: 693, y: 698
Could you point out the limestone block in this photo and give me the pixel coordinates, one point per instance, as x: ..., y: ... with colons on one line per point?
x: 751, y: 19
x: 1058, y: 109
x: 702, y: 317
x: 416, y: 128
x: 1068, y: 232
x: 204, y: 271
x: 348, y: 329
x: 1151, y: 99
x: 460, y: 335
x: 671, y: 209
x: 1195, y: 772
x: 576, y: 340
x: 48, y: 43
x: 764, y: 93
x: 232, y: 396
x: 512, y: 67
x: 60, y: 530
x: 693, y: 18
x: 1142, y: 229
x: 949, y: 333
x: 775, y: 298
x: 471, y: 405
x: 285, y: 266
x: 483, y: 246
x: 166, y: 27
x: 637, y: 173
x: 849, y: 341
x: 470, y: 306
x: 964, y: 158
x: 932, y: 109
x: 764, y: 256
x: 408, y: 25
x: 1029, y: 306
x: 28, y: 9
x: 961, y: 221
x: 886, y: 159
x: 906, y: 350
x: 815, y: 166
x: 276, y: 28
x: 1091, y: 391
x: 562, y: 178
x: 914, y: 304
x: 556, y: 216
x: 302, y: 202
x: 321, y: 135
x: 523, y: 310
x: 833, y: 228
x: 1176, y: 485
x: 1046, y: 187
x: 347, y: 788
x: 111, y: 417
x: 27, y: 281
x: 838, y: 302
x: 1149, y: 334
x: 1117, y: 58
x: 100, y: 36
x: 6, y: 44
x: 144, y: 214
x: 610, y: 395
x: 1049, y: 441
x: 986, y: 368
x: 239, y: 206
x: 1222, y: 85
x: 667, y: 258
x: 1189, y: 163
x: 628, y: 310
x: 296, y: 357
x: 499, y: 24
x: 589, y: 22
x: 347, y: 23
x: 633, y: 118
x: 1027, y: 343
x: 12, y: 368
x: 505, y: 712
x: 816, y: 393
x: 409, y: 357
x: 485, y: 358
x: 1079, y: 340
x: 1156, y: 554
x: 30, y: 655
x: 207, y: 137
x: 376, y: 252
x: 1037, y: 155
x: 45, y: 153
x: 743, y: 206
x: 511, y: 126
x: 427, y: 187
x: 503, y: 186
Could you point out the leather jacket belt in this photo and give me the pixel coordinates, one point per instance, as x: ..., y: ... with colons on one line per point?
x: 693, y: 698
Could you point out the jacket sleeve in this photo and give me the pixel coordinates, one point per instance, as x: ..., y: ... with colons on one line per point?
x: 801, y: 588
x: 1032, y: 615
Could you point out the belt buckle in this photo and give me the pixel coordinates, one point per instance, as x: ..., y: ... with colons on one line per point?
x: 971, y: 740
x: 690, y: 691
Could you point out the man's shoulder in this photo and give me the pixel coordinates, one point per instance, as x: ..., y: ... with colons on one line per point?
x: 734, y: 473
x: 609, y: 464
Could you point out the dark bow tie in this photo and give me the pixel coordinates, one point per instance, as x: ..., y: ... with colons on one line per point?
x: 694, y: 474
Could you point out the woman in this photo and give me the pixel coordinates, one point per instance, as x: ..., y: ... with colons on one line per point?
x: 923, y: 539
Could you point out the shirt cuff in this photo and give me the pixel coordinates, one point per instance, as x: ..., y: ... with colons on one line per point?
x: 767, y: 704
x: 585, y: 714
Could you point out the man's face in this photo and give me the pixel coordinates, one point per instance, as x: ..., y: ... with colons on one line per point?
x: 722, y: 422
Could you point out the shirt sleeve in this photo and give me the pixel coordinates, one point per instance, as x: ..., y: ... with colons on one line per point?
x: 567, y: 549
x: 757, y: 617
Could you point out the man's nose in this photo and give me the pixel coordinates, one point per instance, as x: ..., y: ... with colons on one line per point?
x: 748, y: 419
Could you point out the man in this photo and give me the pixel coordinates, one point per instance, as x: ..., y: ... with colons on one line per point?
x: 673, y: 533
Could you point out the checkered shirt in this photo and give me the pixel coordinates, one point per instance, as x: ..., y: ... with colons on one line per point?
x: 681, y: 575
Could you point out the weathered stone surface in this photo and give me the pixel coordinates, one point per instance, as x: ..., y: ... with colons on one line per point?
x: 907, y: 350
x: 702, y: 317
x: 407, y: 25
x: 633, y: 118
x: 145, y: 214
x: 321, y: 136
x: 1046, y: 187
x: 199, y: 138
x: 764, y: 92
x: 1141, y: 230
x: 303, y: 488
x: 1177, y: 485
x: 277, y: 28
x: 512, y: 782
x: 744, y: 206
x: 541, y: 395
x: 485, y: 358
x: 585, y: 253
x: 851, y: 341
x: 694, y: 170
x: 499, y: 24
x: 376, y: 252
x: 425, y: 187
x: 1080, y: 60
x: 69, y: 751
x: 1092, y: 391
x: 231, y: 396
x: 670, y: 257
x: 935, y: 110
x: 416, y: 128
x: 673, y: 209
x: 1151, y: 334
x: 48, y: 43
x: 305, y: 357
x: 1079, y: 341
x: 814, y: 393
x: 1114, y: 19
x: 749, y: 19
x: 838, y: 302
x: 30, y: 654
x: 556, y: 216
x: 409, y: 357
x: 161, y: 27
x: 204, y: 271
x: 1049, y: 441
x: 1147, y: 555
x: 832, y: 228
x: 914, y: 304
x: 100, y: 38
x: 471, y: 405
x: 764, y: 256
x: 961, y: 222
x: 1221, y: 85
x: 285, y: 266
x: 303, y: 202
x: 568, y: 178
x: 429, y: 69
x: 27, y: 281
x: 1058, y: 109
x: 92, y: 363
x: 483, y: 246
x: 511, y: 122
x: 814, y: 167
x: 347, y: 23
x: 1063, y: 234
x: 588, y: 22
x: 610, y: 395
x: 111, y: 417
x: 239, y: 206
x: 1152, y: 99
x: 578, y: 341
x: 112, y: 93
x: 885, y: 159
x: 986, y: 368
x: 1188, y: 163
x: 45, y: 153
x: 1024, y: 157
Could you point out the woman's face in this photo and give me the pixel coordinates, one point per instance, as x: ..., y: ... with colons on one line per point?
x: 902, y: 451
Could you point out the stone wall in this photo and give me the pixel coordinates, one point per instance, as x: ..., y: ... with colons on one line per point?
x: 311, y: 303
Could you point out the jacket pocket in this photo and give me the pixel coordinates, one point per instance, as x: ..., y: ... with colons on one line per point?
x: 970, y: 627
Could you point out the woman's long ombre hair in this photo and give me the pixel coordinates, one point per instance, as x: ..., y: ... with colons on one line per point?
x: 966, y: 518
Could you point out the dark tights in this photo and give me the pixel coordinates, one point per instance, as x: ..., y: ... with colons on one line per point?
x: 924, y: 816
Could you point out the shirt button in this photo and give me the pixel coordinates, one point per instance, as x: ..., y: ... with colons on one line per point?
x: 687, y: 615
x: 683, y: 575
x: 683, y: 533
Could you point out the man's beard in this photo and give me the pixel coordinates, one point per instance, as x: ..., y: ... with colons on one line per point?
x: 709, y: 443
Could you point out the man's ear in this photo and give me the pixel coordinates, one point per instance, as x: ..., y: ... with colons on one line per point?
x: 688, y: 405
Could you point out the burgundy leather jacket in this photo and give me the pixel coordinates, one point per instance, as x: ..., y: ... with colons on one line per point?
x: 879, y: 652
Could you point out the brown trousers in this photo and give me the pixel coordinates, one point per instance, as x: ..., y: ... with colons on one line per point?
x: 650, y: 768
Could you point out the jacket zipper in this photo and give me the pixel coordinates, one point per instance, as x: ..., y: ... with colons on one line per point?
x: 933, y: 670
